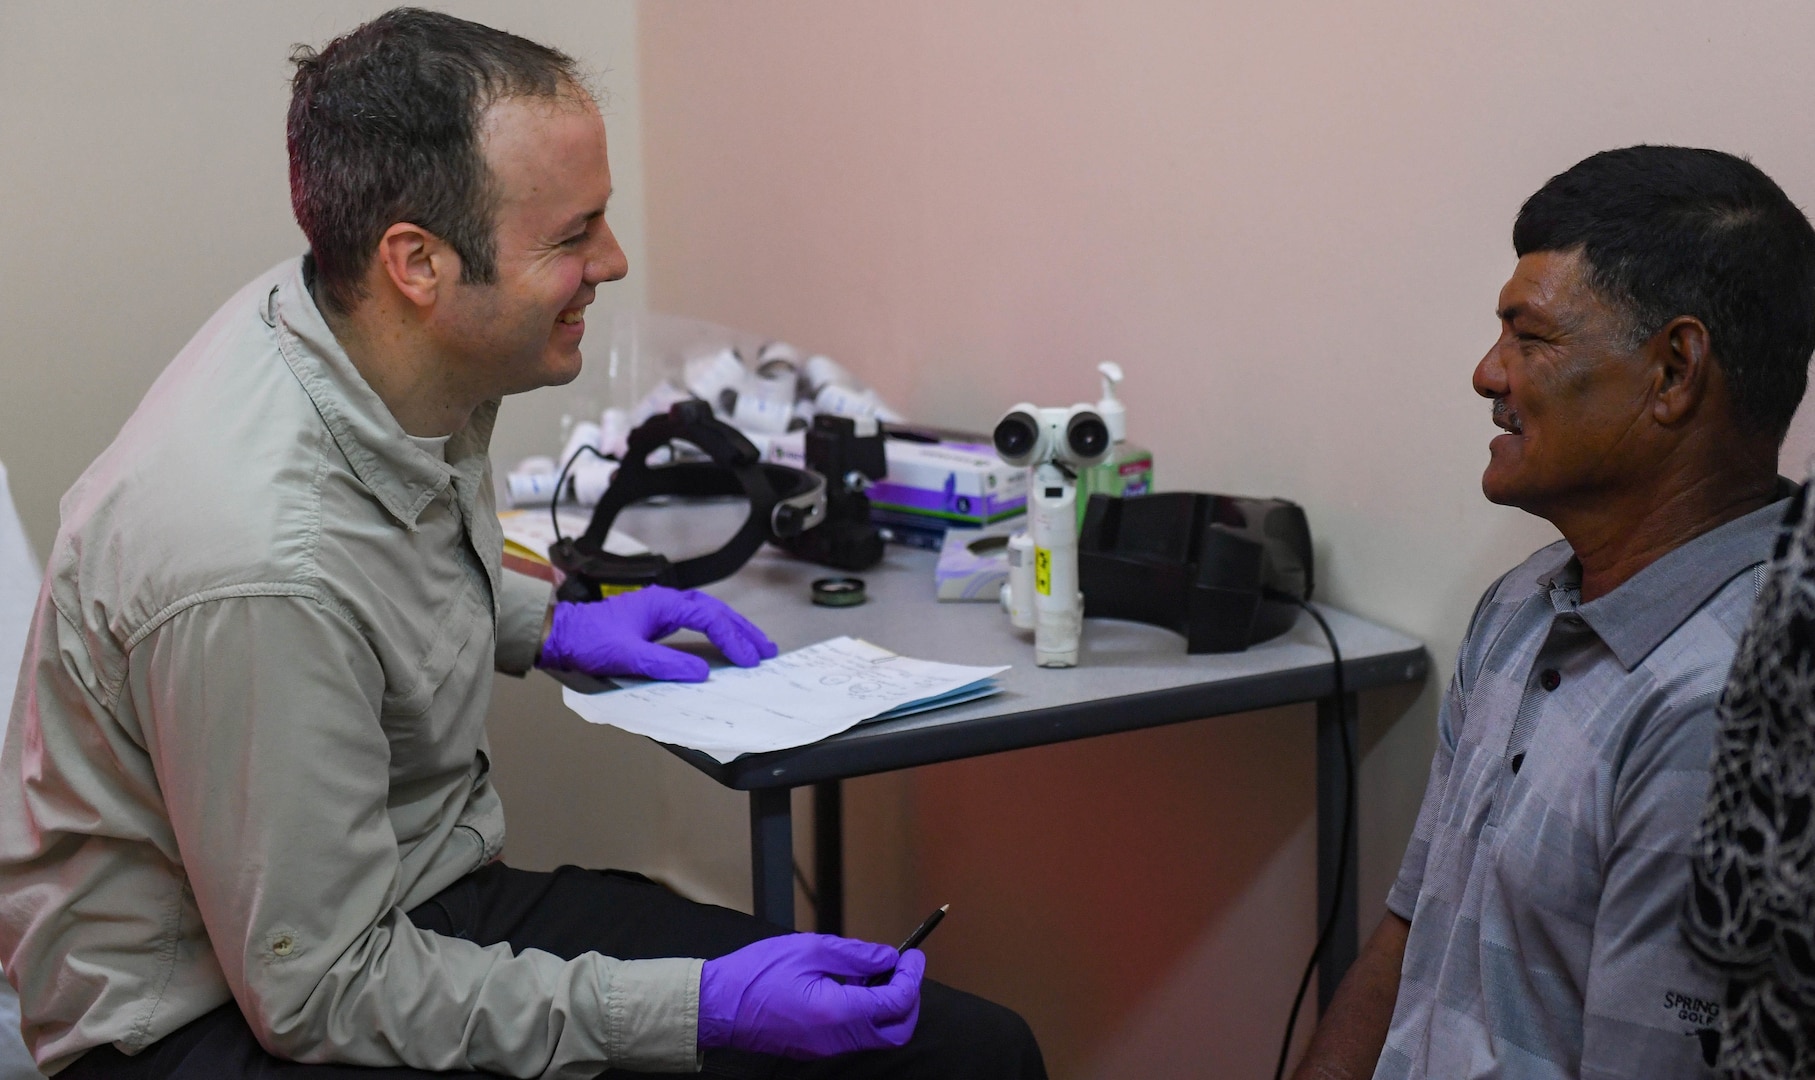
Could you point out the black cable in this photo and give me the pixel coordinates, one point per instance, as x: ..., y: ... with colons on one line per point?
x: 1348, y: 824
x: 800, y: 878
x: 554, y: 502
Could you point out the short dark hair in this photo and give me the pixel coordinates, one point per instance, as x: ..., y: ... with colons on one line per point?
x: 384, y: 127
x: 1670, y: 230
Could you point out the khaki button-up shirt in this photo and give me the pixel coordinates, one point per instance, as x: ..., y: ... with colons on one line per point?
x: 249, y: 735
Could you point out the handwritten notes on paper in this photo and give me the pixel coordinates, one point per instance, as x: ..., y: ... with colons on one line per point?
x: 796, y: 698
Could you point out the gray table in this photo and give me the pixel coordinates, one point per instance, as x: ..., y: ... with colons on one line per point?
x: 1130, y: 676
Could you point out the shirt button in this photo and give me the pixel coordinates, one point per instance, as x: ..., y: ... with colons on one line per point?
x: 1551, y: 679
x: 283, y: 945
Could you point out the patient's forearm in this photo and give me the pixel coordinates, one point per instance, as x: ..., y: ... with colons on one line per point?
x: 1348, y: 1040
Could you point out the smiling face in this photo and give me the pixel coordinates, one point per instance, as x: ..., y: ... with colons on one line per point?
x: 1571, y: 395
x: 551, y: 180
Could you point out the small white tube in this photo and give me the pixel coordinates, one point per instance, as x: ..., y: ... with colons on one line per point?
x: 779, y: 352
x: 820, y: 372
x: 588, y: 479
x: 759, y: 415
x: 614, y: 432
x: 843, y: 401
x: 584, y: 433
x: 657, y: 401
x: 708, y: 376
x: 530, y: 488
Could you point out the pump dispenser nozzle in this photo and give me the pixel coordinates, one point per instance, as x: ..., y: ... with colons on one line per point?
x: 1115, y: 417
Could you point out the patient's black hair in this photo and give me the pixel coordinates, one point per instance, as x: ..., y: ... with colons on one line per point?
x: 384, y: 127
x: 1666, y: 231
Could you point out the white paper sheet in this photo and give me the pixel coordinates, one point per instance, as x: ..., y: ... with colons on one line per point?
x: 796, y: 698
x: 532, y: 529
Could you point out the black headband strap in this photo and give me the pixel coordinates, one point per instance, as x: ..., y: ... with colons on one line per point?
x: 735, y: 469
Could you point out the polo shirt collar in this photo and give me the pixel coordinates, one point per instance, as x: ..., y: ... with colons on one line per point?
x: 403, y: 476
x: 1635, y: 618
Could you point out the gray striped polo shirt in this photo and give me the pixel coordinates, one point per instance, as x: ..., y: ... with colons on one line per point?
x: 1546, y: 872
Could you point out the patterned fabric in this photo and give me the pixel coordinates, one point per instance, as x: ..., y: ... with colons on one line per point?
x: 1751, y: 908
x: 1544, y: 879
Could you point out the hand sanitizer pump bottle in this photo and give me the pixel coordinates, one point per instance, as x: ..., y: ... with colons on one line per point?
x: 1129, y: 468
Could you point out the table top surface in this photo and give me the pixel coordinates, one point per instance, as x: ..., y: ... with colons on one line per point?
x: 1129, y: 675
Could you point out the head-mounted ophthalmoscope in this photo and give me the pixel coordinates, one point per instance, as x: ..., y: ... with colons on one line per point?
x: 784, y: 502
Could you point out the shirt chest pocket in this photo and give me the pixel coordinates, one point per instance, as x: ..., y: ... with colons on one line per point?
x: 436, y: 661
x: 1546, y: 865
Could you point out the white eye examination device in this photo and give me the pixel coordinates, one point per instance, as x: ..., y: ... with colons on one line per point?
x: 1042, y: 595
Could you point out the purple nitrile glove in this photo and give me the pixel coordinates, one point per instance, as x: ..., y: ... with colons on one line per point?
x: 616, y: 635
x: 802, y: 996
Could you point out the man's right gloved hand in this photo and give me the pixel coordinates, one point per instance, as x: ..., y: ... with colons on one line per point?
x: 802, y: 996
x: 617, y: 635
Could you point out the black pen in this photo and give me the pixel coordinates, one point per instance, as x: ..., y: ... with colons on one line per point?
x: 913, y: 940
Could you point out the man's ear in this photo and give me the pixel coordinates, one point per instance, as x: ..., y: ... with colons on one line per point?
x: 1684, y: 359
x: 418, y: 264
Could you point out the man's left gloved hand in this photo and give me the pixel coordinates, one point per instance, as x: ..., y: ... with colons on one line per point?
x: 806, y: 996
x: 616, y: 636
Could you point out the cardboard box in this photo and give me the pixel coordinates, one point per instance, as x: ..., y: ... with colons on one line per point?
x: 958, y: 482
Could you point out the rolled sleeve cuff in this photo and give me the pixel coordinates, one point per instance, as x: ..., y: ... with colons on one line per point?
x: 652, y: 1015
x: 522, y: 609
x: 1402, y: 898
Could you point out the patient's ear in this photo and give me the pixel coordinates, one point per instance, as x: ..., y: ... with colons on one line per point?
x: 1683, y: 356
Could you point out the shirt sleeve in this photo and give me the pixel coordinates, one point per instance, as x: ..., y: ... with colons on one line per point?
x: 1649, y: 1004
x: 522, y: 609
x: 263, y: 719
x: 1402, y: 899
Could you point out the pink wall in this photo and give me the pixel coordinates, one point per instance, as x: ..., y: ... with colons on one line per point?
x: 1289, y: 222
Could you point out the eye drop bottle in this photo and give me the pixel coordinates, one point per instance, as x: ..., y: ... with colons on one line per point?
x: 1129, y: 468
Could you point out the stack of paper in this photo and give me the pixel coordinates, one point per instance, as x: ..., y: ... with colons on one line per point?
x: 796, y: 698
x: 528, y: 534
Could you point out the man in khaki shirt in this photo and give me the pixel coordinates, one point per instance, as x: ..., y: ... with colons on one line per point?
x: 245, y: 818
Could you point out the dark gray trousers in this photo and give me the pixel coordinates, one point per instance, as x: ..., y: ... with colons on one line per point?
x: 573, y: 911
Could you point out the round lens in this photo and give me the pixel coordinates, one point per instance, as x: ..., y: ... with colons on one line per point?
x: 1016, y: 435
x: 1087, y: 435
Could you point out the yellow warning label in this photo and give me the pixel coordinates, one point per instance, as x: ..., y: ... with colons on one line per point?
x: 1043, y: 571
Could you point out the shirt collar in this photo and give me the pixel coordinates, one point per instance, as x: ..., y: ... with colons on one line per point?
x: 1635, y: 618
x: 404, y: 477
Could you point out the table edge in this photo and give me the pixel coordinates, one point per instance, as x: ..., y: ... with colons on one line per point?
x: 842, y: 757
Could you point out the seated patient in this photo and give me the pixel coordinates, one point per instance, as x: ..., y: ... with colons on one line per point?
x: 1654, y: 343
x: 245, y: 813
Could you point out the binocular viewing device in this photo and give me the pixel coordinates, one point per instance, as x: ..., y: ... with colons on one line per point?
x: 1223, y: 571
x: 1054, y: 445
x: 1074, y: 438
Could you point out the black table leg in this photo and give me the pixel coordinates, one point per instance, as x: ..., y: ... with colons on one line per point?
x: 772, y: 856
x: 1334, y: 799
x: 828, y: 855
